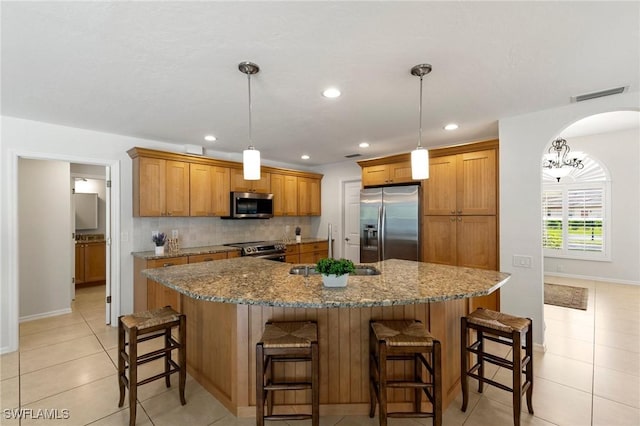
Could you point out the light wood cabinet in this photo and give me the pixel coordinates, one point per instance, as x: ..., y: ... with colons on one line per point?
x: 461, y: 184
x: 161, y: 187
x: 285, y: 194
x: 461, y: 240
x: 385, y: 174
x: 306, y: 252
x: 148, y: 294
x: 172, y: 184
x: 309, y: 197
x: 197, y: 258
x: 91, y: 258
x: 460, y: 212
x: 209, y: 190
x: 238, y: 183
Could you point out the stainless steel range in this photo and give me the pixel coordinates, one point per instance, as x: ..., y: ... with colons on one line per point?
x: 270, y: 250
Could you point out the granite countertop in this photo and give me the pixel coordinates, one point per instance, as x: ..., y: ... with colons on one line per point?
x: 252, y: 281
x: 151, y: 255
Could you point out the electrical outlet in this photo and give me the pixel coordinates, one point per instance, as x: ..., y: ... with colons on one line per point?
x: 174, y: 233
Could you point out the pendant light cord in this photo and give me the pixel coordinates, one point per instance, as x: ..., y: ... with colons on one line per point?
x: 250, y: 139
x: 420, y: 112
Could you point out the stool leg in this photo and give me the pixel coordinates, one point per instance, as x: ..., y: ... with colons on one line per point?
x: 480, y: 335
x: 167, y: 357
x: 268, y: 380
x: 417, y: 402
x: 529, y: 369
x: 133, y: 374
x: 436, y: 365
x: 182, y: 357
x: 382, y: 383
x: 121, y: 365
x: 373, y: 398
x: 464, y: 367
x: 259, y: 385
x: 315, y: 384
x: 517, y: 377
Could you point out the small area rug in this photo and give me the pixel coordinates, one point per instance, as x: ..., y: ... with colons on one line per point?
x: 566, y: 296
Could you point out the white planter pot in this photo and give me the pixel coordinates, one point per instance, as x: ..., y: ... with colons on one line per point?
x: 333, y: 280
x: 159, y: 250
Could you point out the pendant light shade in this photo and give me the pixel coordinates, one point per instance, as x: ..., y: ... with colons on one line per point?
x: 419, y: 164
x: 420, y: 156
x: 250, y: 156
x: 251, y: 163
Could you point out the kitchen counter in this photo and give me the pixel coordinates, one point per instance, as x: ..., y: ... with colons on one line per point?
x: 227, y: 303
x: 262, y: 282
x: 151, y: 255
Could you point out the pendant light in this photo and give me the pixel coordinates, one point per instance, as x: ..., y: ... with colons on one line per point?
x: 250, y: 156
x: 420, y: 156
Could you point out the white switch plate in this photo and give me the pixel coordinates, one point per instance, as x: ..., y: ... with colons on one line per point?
x: 522, y: 261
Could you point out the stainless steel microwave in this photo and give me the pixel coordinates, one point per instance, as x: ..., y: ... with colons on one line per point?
x: 251, y: 205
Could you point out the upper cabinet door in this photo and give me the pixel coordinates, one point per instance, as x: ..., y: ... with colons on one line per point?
x: 221, y: 187
x: 239, y: 184
x: 309, y: 197
x: 177, y: 188
x: 285, y: 194
x: 476, y: 183
x: 440, y: 189
x: 201, y: 190
x: 152, y: 194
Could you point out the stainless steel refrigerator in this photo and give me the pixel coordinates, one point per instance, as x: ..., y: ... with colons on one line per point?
x: 389, y: 223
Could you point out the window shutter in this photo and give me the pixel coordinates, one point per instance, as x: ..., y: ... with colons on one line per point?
x: 585, y: 211
x: 552, y: 219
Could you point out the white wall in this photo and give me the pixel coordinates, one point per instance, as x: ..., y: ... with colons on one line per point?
x: 618, y: 152
x: 522, y: 143
x: 334, y: 175
x: 44, y: 242
x: 32, y: 139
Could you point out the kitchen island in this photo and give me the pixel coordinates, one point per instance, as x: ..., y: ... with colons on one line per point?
x: 228, y: 301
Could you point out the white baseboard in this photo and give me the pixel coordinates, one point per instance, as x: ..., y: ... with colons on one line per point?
x: 6, y: 350
x: 586, y: 277
x: 538, y: 347
x: 45, y: 315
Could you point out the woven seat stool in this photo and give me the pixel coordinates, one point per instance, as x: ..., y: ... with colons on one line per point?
x: 506, y: 330
x: 141, y: 327
x: 404, y: 340
x: 294, y: 341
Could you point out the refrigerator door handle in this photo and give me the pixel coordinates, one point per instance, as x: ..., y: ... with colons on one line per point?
x: 382, y: 232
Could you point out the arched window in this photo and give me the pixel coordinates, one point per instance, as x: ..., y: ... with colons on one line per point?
x: 575, y: 213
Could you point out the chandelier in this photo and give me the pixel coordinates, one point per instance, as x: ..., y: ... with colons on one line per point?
x: 557, y: 160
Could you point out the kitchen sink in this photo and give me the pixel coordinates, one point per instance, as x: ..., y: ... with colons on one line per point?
x: 311, y: 270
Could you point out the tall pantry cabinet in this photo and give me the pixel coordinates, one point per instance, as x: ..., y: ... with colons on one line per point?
x: 460, y: 211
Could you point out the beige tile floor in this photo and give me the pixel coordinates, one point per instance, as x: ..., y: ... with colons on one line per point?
x: 589, y: 375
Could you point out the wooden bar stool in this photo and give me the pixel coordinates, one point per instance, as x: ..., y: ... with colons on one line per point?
x: 404, y: 340
x: 507, y: 330
x: 145, y: 326
x: 295, y: 341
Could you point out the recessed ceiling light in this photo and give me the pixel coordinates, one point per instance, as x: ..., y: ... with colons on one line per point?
x: 451, y: 126
x: 364, y: 145
x: 210, y: 138
x: 331, y: 92
x: 305, y: 157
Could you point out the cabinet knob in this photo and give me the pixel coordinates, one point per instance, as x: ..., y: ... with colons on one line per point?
x: 459, y: 219
x: 453, y: 212
x: 452, y: 219
x: 459, y: 211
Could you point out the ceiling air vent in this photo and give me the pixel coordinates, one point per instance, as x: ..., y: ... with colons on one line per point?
x: 593, y: 95
x: 353, y: 155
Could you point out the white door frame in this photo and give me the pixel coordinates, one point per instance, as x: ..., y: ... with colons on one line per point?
x: 13, y: 291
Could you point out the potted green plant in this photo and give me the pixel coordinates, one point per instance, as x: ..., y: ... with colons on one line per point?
x: 335, y: 272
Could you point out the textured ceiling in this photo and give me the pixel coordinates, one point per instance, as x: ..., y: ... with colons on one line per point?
x: 168, y: 70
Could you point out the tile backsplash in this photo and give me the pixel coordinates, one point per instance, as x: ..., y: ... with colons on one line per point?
x: 207, y: 231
